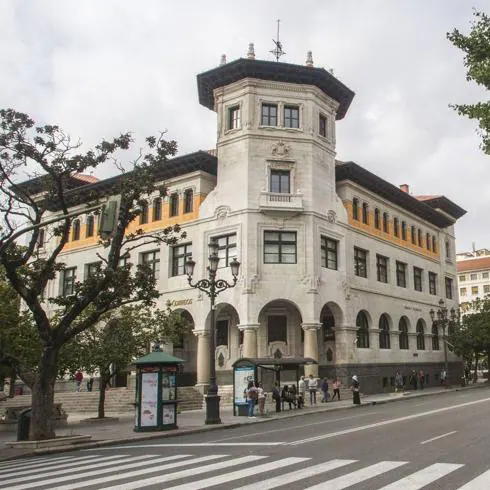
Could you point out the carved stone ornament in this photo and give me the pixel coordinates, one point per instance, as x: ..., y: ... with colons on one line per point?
x: 281, y: 149
x: 331, y: 216
x: 346, y: 289
x: 311, y: 282
x: 250, y: 283
x: 222, y: 212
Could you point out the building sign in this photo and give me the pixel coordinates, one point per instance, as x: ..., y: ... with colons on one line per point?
x: 413, y: 308
x: 180, y: 302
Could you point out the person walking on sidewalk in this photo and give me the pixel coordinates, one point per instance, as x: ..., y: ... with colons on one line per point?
x: 261, y: 394
x: 78, y: 379
x: 312, y: 388
x: 301, y: 392
x: 336, y: 388
x: 413, y: 379
x: 398, y: 382
x: 356, y: 398
x: 421, y: 379
x: 276, y: 396
x: 324, y: 388
x: 251, y: 398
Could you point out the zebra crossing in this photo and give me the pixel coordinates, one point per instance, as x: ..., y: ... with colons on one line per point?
x: 194, y: 472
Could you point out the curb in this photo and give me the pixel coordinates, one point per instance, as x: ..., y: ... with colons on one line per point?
x: 200, y: 430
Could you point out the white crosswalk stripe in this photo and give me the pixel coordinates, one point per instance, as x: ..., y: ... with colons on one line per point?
x: 250, y: 472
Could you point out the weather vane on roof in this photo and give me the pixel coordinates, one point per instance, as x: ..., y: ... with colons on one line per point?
x: 277, y: 51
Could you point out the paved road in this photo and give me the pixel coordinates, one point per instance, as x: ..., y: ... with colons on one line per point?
x: 435, y: 442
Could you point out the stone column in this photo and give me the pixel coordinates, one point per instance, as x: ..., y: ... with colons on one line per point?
x: 311, y: 346
x: 202, y: 359
x: 249, y: 339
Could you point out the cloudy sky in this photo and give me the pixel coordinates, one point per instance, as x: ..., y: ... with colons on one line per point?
x: 98, y: 68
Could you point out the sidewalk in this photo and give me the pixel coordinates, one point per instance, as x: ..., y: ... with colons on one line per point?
x: 110, y: 432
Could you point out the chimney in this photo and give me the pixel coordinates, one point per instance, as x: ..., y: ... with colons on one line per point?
x: 405, y: 188
x: 222, y: 60
x: 251, y: 52
x: 309, y: 59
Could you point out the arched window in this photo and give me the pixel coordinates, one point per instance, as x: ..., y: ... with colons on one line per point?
x: 403, y: 337
x: 362, y: 330
x: 377, y: 223
x: 404, y: 230
x: 157, y: 209
x: 90, y: 225
x: 328, y: 322
x: 434, y: 246
x: 188, y: 201
x: 75, y: 230
x: 448, y: 249
x: 144, y: 213
x: 396, y: 227
x: 355, y: 208
x: 41, y: 238
x: 174, y: 204
x: 435, y: 338
x: 365, y: 216
x: 420, y: 335
x: 385, y: 222
x: 384, y: 332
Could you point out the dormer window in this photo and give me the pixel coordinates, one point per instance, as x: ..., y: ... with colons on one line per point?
x: 322, y: 126
x: 269, y: 115
x: 234, y: 117
x: 291, y: 116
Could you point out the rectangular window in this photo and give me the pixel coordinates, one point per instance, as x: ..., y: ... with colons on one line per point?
x: 322, y: 126
x: 462, y: 278
x: 360, y: 262
x: 124, y: 260
x: 226, y: 249
x: 291, y: 116
x: 473, y: 277
x: 157, y: 209
x: 486, y: 288
x: 382, y: 268
x: 277, y: 328
x: 234, y: 117
x: 68, y: 277
x: 188, y: 201
x: 180, y: 254
x: 279, y: 247
x: 401, y: 274
x: 484, y: 275
x: 417, y: 279
x: 462, y: 291
x: 221, y: 332
x: 269, y: 115
x: 449, y: 287
x: 329, y: 255
x: 92, y: 269
x: 144, y: 213
x: 474, y: 290
x: 404, y: 230
x: 432, y: 283
x: 174, y: 204
x: 414, y: 234
x: 152, y: 260
x: 280, y: 181
x: 396, y: 226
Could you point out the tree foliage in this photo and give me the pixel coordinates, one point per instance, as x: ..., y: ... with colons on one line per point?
x: 476, y: 49
x: 51, y: 159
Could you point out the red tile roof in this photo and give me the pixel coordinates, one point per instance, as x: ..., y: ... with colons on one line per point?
x: 425, y: 198
x: 478, y: 264
x: 89, y: 179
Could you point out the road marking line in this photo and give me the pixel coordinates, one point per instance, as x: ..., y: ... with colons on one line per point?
x: 236, y: 475
x: 31, y: 463
x: 385, y: 422
x: 186, y: 473
x: 142, y: 472
x: 295, y: 476
x: 358, y: 476
x: 421, y: 478
x: 18, y: 462
x: 196, y: 444
x: 479, y: 483
x: 439, y: 437
x: 138, y: 461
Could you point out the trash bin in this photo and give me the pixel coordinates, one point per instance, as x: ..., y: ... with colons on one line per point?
x: 24, y: 424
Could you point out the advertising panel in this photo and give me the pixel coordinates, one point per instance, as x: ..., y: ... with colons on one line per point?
x: 149, y: 399
x: 242, y: 377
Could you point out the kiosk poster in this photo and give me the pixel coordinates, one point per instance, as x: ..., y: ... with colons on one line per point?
x: 149, y: 399
x: 168, y: 414
x: 242, y: 376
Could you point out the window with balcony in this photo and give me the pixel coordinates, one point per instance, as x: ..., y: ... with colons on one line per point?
x: 360, y: 262
x: 329, y: 253
x: 269, y: 115
x: 180, y: 254
x: 280, y: 181
x: 291, y: 116
x: 279, y: 247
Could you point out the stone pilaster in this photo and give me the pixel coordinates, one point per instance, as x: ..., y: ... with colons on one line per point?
x: 249, y: 339
x: 202, y: 358
x: 311, y: 346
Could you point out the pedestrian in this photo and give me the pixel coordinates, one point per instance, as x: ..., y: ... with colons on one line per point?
x: 443, y: 376
x: 276, y: 396
x: 261, y: 394
x: 413, y: 379
x: 324, y: 388
x: 293, y: 394
x: 398, y: 382
x: 356, y: 398
x: 421, y: 379
x: 251, y: 394
x: 301, y: 392
x: 90, y: 384
x: 336, y: 388
x: 312, y: 387
x: 78, y: 379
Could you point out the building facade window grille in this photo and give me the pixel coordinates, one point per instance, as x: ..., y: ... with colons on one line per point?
x: 329, y: 253
x: 180, y: 253
x: 401, y: 274
x: 269, y: 115
x: 417, y: 279
x: 279, y: 247
x: 280, y: 181
x: 152, y: 260
x: 382, y: 268
x: 291, y: 116
x: 432, y: 283
x: 68, y: 277
x: 360, y: 262
x: 227, y: 249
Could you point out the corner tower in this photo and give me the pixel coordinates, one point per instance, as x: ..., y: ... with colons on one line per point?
x: 276, y: 134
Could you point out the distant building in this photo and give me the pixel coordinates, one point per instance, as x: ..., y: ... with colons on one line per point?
x: 473, y: 275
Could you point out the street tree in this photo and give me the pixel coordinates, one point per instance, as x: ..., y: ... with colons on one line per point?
x: 122, y: 336
x: 476, y: 49
x: 52, y: 159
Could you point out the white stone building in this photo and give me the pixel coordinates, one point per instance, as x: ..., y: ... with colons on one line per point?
x: 473, y: 275
x: 336, y: 263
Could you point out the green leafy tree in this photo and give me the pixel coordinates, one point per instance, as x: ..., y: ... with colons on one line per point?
x: 48, y: 155
x: 125, y: 335
x: 476, y: 48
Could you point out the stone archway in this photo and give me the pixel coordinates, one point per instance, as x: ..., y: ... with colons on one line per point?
x: 331, y: 318
x: 186, y: 348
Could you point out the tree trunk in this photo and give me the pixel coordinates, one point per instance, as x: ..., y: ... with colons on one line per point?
x: 13, y: 377
x: 43, y: 396
x: 102, y: 385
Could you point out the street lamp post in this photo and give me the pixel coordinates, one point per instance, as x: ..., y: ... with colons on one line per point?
x: 443, y: 321
x: 212, y: 287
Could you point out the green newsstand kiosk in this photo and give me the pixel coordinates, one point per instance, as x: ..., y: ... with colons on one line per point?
x: 156, y: 392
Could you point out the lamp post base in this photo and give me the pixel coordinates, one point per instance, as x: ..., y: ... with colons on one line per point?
x: 212, y: 409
